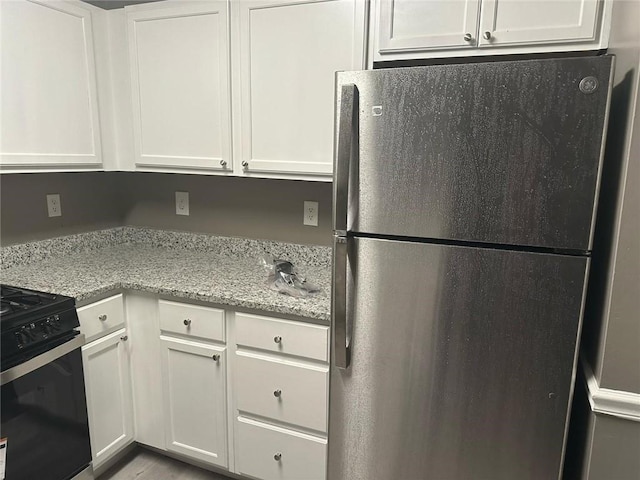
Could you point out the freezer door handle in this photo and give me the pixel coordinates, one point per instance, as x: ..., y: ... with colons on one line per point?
x: 341, y: 346
x: 346, y: 153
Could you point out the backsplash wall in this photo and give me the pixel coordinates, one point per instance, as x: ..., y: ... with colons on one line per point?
x: 236, y: 207
x: 89, y: 201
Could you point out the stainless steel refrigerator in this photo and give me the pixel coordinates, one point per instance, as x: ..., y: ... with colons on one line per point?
x: 464, y: 203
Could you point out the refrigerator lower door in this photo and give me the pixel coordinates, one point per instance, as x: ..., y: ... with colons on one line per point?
x: 462, y: 363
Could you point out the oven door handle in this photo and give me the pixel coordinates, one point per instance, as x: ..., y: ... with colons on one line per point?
x: 41, y: 360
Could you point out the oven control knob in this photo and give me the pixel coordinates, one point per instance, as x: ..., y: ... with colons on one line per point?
x: 49, y: 328
x: 29, y: 331
x: 52, y: 325
x: 21, y: 338
x: 24, y: 336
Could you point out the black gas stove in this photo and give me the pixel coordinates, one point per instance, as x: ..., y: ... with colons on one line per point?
x: 43, y: 410
x: 32, y: 322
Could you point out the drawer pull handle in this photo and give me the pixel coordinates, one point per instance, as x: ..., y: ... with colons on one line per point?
x: 187, y: 322
x: 277, y: 457
x: 102, y: 318
x: 216, y: 357
x: 124, y: 338
x: 277, y: 393
x: 277, y: 339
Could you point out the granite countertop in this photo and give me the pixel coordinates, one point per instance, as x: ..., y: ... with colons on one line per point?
x: 190, y: 274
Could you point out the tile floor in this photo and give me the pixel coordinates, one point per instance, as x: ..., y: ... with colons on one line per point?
x: 142, y: 464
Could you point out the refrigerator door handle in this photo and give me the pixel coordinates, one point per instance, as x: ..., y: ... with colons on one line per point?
x: 341, y: 347
x: 346, y: 150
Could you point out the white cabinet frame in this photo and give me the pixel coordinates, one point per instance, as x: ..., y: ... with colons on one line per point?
x: 584, y: 30
x: 589, y: 32
x: 15, y: 85
x: 388, y: 41
x: 207, y: 395
x: 136, y: 15
x: 247, y: 163
x: 117, y: 396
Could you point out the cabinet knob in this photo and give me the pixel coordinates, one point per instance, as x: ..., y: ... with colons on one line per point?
x: 102, y: 318
x: 245, y: 164
x: 468, y: 37
x: 487, y: 35
x: 124, y: 338
x: 277, y: 393
x: 277, y: 339
x: 277, y: 457
x: 187, y: 322
x: 216, y: 357
x: 223, y: 163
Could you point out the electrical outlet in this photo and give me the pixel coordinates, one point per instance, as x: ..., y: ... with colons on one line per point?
x: 53, y: 205
x: 182, y: 203
x: 311, y: 214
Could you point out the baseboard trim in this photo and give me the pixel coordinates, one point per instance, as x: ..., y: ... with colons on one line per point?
x: 615, y: 403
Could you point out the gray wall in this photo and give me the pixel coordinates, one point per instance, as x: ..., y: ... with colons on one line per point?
x: 242, y: 207
x: 238, y: 207
x: 89, y: 200
x: 611, y: 335
x: 615, y: 448
x: 605, y: 447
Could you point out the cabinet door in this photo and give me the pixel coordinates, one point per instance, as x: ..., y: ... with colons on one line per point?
x: 289, y: 51
x: 517, y: 22
x: 49, y: 108
x: 109, y: 403
x: 179, y: 57
x: 195, y: 399
x: 406, y: 25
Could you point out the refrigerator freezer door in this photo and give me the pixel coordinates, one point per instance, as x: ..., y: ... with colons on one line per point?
x: 462, y: 363
x: 501, y: 152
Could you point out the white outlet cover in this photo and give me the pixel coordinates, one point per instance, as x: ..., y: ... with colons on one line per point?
x: 310, y: 214
x: 54, y: 207
x: 182, y: 203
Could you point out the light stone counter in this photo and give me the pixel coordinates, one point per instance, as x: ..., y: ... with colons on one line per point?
x: 219, y: 270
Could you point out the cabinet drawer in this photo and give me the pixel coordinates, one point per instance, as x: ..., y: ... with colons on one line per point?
x: 101, y: 317
x: 283, y: 336
x: 294, y: 394
x: 272, y: 453
x: 192, y: 320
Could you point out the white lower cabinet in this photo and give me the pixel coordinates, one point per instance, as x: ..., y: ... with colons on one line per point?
x: 281, y: 392
x: 273, y: 453
x: 195, y: 401
x: 242, y: 393
x: 284, y: 391
x: 109, y: 401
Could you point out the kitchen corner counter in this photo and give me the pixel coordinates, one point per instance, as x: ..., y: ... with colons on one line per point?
x: 234, y: 280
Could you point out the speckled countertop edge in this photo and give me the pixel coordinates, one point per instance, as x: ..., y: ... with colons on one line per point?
x: 219, y: 270
x: 235, y: 247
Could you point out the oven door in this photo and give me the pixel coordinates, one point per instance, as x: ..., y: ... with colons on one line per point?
x: 44, y: 415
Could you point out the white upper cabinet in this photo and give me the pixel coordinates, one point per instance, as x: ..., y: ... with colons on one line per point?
x: 179, y: 60
x: 517, y: 22
x: 285, y: 55
x: 49, y: 106
x: 418, y: 24
x: 414, y: 29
